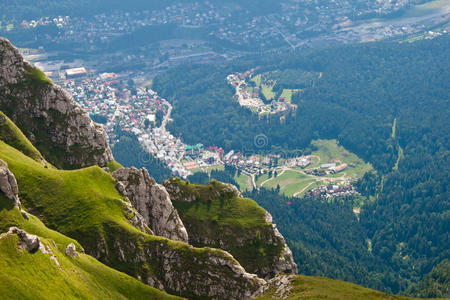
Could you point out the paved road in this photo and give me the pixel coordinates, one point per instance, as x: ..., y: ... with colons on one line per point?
x: 167, y: 116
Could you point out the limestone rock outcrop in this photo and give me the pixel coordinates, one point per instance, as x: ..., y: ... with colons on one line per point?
x: 181, y: 269
x: 48, y: 115
x: 152, y: 201
x: 28, y: 242
x: 284, y: 263
x: 8, y: 186
x: 71, y: 250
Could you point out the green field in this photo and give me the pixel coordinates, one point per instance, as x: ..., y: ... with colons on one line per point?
x: 243, y: 180
x: 290, y: 182
x: 257, y: 80
x: 329, y: 151
x: 268, y: 92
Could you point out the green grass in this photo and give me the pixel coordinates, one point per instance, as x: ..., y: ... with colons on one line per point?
x: 85, y: 205
x: 268, y: 92
x: 83, y: 277
x: 394, y: 128
x: 290, y: 182
x: 242, y: 180
x: 36, y: 276
x: 261, y: 179
x: 329, y: 151
x: 113, y: 166
x: 399, y: 158
x: 38, y: 76
x: 10, y: 134
x: 323, y: 288
x: 214, y: 203
x: 287, y: 94
x: 257, y: 80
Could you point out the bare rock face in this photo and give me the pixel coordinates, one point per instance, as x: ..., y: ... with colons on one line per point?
x: 48, y: 115
x: 283, y: 263
x: 183, y: 270
x: 8, y: 186
x: 29, y: 242
x: 281, y: 285
x: 71, y: 250
x: 152, y: 201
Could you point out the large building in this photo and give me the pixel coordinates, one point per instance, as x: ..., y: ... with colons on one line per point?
x: 76, y: 72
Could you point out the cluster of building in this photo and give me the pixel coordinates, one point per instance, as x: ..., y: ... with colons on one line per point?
x: 327, y: 169
x: 332, y: 191
x: 287, y: 26
x: 112, y: 102
x: 250, y: 96
x: 59, y: 22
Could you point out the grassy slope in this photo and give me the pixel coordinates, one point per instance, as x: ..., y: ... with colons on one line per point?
x: 226, y: 217
x: 12, y: 135
x: 85, y: 205
x: 83, y: 277
x: 306, y: 287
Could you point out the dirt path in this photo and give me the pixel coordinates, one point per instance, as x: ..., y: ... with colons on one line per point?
x: 299, y: 192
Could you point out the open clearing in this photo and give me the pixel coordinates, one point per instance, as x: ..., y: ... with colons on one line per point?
x: 329, y: 151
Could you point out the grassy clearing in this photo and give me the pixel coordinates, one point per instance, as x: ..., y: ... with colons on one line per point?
x: 329, y: 151
x: 257, y: 80
x: 290, y: 182
x: 214, y: 203
x: 287, y: 95
x: 323, y: 288
x: 243, y: 180
x: 399, y: 158
x: 394, y: 128
x: 268, y: 92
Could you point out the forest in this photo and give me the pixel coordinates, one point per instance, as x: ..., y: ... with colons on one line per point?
x: 129, y: 152
x: 387, y: 102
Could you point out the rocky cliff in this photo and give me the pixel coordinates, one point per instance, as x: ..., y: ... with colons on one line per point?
x: 8, y: 186
x: 217, y: 216
x: 152, y: 201
x: 48, y: 116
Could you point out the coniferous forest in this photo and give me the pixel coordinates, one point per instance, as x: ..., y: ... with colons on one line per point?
x: 387, y: 102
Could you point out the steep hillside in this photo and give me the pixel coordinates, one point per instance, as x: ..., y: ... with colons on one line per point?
x: 31, y: 255
x: 85, y: 205
x: 216, y: 216
x: 48, y: 116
